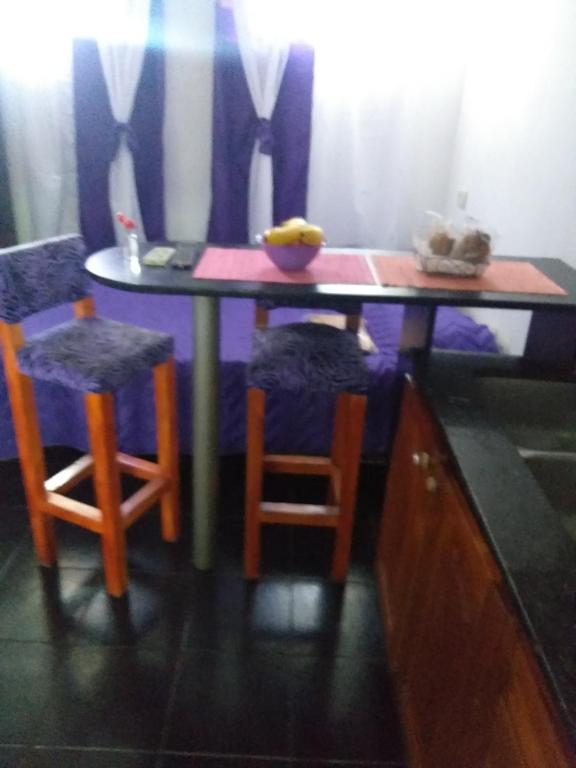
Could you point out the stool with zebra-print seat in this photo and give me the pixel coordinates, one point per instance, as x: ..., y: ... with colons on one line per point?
x: 306, y: 357
x: 94, y: 356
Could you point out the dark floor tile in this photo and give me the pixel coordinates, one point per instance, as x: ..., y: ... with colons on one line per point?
x: 222, y: 761
x: 14, y: 521
x: 13, y: 496
x: 41, y: 757
x: 343, y: 710
x: 229, y: 613
x: 338, y: 620
x: 71, y: 605
x: 371, y: 485
x: 152, y: 614
x: 235, y: 704
x: 13, y: 524
x: 108, y: 697
x: 313, y: 549
x: 146, y: 551
x: 289, y: 663
x: 28, y: 676
x: 277, y: 547
x: 349, y: 764
x: 12, y: 757
x: 44, y: 604
x: 8, y: 553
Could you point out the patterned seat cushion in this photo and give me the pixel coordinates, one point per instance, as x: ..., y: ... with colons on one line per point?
x: 92, y: 354
x: 40, y: 275
x: 306, y: 356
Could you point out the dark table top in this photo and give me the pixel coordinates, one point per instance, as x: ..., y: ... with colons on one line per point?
x: 111, y: 268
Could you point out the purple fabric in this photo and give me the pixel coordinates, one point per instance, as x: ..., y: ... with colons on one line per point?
x: 93, y: 354
x: 40, y: 275
x: 292, y: 125
x: 306, y: 357
x: 294, y: 423
x: 236, y: 127
x: 98, y: 136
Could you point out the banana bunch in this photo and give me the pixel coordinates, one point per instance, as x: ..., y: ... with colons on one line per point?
x: 294, y: 231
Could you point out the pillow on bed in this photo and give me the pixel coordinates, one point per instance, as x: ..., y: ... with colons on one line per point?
x: 339, y: 321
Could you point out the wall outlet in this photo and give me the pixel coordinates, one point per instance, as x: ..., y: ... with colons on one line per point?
x: 462, y: 199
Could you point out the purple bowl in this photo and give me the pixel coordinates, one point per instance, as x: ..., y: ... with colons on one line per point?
x: 291, y: 258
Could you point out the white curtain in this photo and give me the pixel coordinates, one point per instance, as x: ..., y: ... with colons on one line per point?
x: 36, y: 95
x: 264, y: 61
x: 189, y: 40
x: 122, y: 59
x: 386, y: 104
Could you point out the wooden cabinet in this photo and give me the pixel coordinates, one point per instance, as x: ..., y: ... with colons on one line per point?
x: 470, y: 693
x: 525, y: 732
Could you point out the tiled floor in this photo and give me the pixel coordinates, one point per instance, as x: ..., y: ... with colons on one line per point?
x: 193, y: 669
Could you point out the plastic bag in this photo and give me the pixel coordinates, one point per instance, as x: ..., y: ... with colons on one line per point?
x: 447, y: 247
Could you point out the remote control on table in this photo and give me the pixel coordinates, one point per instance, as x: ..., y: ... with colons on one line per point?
x: 158, y: 256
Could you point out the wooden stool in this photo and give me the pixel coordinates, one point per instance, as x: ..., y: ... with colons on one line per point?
x: 95, y: 356
x: 306, y: 357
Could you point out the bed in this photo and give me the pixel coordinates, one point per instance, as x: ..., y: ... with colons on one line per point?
x: 294, y: 424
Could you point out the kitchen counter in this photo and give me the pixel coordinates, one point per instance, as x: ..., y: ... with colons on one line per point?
x: 526, y: 534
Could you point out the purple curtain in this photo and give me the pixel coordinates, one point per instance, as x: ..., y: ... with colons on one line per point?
x: 235, y: 124
x: 98, y: 135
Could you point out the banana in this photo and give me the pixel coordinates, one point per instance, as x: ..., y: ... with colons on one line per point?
x: 293, y: 232
x: 283, y: 235
x: 311, y: 235
x: 295, y: 221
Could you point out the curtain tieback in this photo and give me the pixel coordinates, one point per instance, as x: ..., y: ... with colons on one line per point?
x: 125, y: 130
x: 265, y: 136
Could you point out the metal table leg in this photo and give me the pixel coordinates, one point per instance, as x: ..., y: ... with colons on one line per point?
x: 205, y: 428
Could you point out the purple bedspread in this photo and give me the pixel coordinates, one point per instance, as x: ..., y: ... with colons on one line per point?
x: 294, y: 423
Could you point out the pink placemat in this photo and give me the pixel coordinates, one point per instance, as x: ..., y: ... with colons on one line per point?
x: 255, y: 266
x: 500, y: 276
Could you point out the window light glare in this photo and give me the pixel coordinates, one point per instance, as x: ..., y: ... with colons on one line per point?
x: 35, y: 40
x: 36, y: 36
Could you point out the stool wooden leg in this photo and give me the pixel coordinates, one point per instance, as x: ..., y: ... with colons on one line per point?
x: 167, y: 436
x: 254, y: 467
x: 351, y: 454
x: 338, y: 440
x: 33, y: 467
x: 100, y: 413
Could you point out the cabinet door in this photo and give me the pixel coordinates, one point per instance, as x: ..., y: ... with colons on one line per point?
x: 527, y: 726
x: 474, y: 690
x: 470, y: 691
x: 504, y: 750
x: 404, y: 526
x: 452, y: 618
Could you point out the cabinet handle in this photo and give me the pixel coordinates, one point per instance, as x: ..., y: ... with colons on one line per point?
x: 431, y: 484
x: 421, y: 459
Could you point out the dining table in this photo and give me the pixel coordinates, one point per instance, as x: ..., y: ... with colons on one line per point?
x: 349, y: 276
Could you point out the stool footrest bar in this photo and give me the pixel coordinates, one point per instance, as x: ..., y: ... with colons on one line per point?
x: 297, y: 465
x: 71, y: 475
x: 143, y: 499
x: 73, y: 511
x: 298, y: 514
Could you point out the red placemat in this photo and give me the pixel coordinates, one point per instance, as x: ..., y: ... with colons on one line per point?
x: 255, y: 266
x: 500, y: 276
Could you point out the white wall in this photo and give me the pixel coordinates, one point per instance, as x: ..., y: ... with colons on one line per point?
x: 516, y: 151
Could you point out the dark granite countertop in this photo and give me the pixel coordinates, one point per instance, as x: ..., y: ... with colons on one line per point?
x: 532, y: 546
